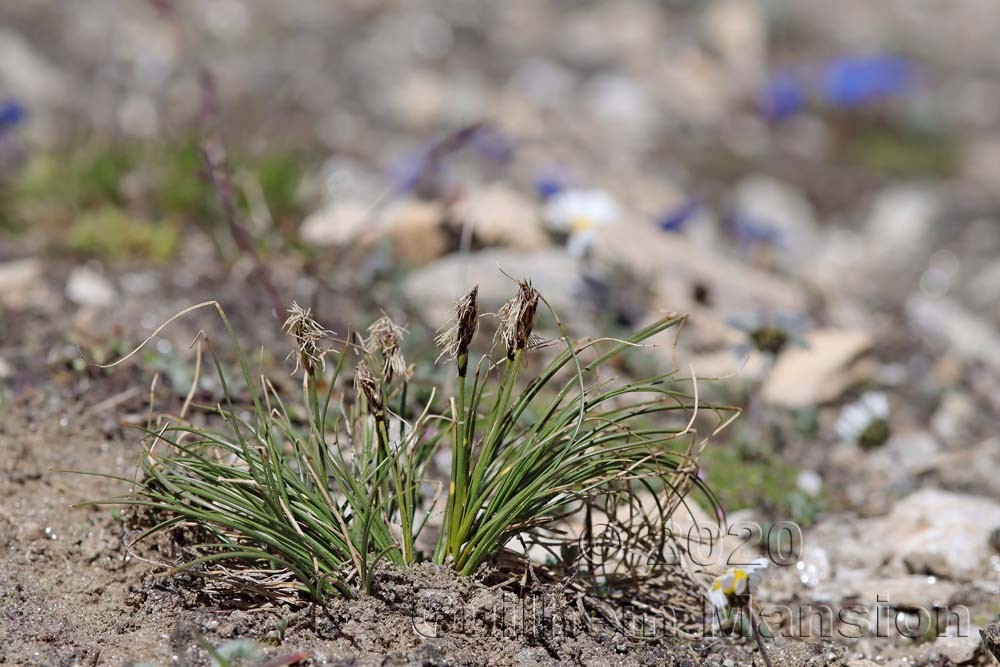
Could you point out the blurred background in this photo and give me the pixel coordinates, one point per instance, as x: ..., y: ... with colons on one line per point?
x: 815, y: 183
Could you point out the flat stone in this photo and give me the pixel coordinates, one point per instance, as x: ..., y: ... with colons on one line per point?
x: 20, y: 282
x: 435, y: 288
x: 905, y: 592
x: 958, y: 650
x: 415, y: 229
x: 675, y: 264
x: 942, y: 533
x: 500, y: 215
x: 819, y: 373
x: 337, y: 224
x: 849, y: 544
x: 87, y: 287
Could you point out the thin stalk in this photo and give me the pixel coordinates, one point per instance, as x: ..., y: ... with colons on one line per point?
x: 757, y: 638
x: 458, y: 485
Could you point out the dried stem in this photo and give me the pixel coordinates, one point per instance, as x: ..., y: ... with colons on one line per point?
x: 213, y: 153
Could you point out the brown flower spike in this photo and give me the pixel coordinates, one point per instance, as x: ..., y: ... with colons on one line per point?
x: 385, y: 336
x: 517, y: 317
x: 365, y: 383
x: 308, y: 335
x: 461, y: 328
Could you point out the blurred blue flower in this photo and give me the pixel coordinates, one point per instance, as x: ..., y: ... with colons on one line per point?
x: 423, y: 170
x: 548, y: 186
x: 857, y: 80
x: 677, y: 219
x: 782, y: 96
x: 408, y: 172
x: 12, y: 114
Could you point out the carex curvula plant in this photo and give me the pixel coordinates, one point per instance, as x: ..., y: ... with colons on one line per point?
x: 311, y: 492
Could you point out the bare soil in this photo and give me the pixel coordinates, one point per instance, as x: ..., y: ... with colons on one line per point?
x: 70, y: 594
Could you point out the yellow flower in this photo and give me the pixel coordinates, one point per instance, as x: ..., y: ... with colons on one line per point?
x: 579, y: 213
x: 734, y: 587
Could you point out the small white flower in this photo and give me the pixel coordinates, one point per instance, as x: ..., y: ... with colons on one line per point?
x: 864, y: 421
x: 579, y: 213
x: 735, y: 586
x: 810, y: 482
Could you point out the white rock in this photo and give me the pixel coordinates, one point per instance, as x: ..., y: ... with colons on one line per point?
x: 415, y: 229
x: 849, y: 543
x: 814, y: 567
x: 501, y: 216
x: 833, y: 360
x: 25, y: 73
x: 20, y: 281
x: 809, y: 482
x: 900, y: 223
x: 913, y: 451
x: 87, y: 287
x: 676, y: 264
x: 942, y: 533
x: 435, y: 287
x: 903, y: 592
x: 888, y: 471
x: 336, y: 224
x: 959, y: 650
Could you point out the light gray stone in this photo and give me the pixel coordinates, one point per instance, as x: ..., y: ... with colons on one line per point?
x: 499, y: 215
x: 435, y: 287
x: 87, y: 287
x: 20, y: 282
x: 942, y: 533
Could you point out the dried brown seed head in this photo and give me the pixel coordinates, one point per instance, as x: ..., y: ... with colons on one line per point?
x: 456, y: 338
x: 365, y: 384
x: 385, y: 337
x: 309, y: 336
x: 517, y: 317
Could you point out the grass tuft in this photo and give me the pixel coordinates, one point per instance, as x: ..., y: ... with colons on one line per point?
x: 310, y: 493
